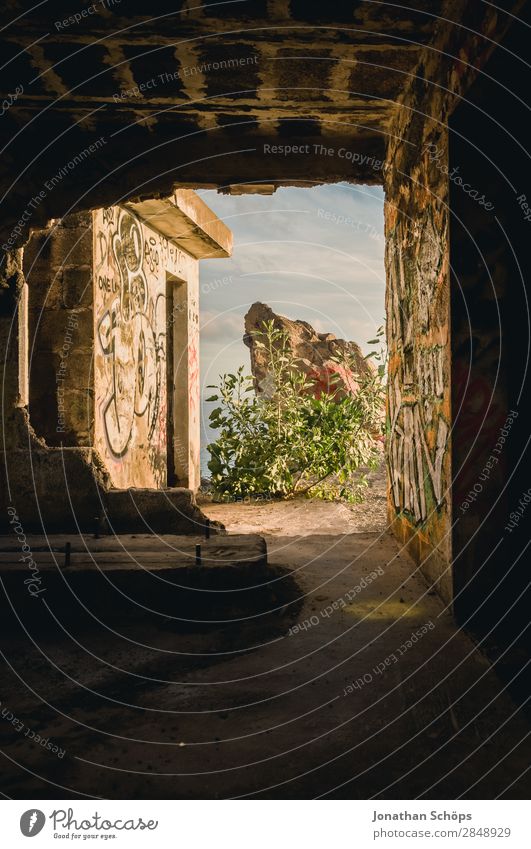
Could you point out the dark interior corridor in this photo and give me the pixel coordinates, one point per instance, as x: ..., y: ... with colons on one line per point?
x: 159, y: 645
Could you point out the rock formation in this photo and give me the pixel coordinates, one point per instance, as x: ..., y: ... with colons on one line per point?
x: 316, y: 354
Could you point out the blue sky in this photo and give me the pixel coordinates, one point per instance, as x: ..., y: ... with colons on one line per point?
x: 313, y: 254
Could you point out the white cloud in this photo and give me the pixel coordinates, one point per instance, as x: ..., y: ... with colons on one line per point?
x: 220, y: 326
x: 312, y: 254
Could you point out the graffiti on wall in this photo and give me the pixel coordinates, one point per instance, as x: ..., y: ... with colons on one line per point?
x: 131, y: 333
x: 134, y: 318
x: 418, y: 429
x: 414, y: 463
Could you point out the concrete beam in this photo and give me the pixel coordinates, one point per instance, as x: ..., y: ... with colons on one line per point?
x: 188, y: 222
x: 249, y: 189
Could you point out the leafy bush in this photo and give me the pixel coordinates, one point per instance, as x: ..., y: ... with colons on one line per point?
x: 285, y: 441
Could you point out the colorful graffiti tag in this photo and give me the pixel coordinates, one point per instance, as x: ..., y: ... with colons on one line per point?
x: 418, y: 427
x: 131, y: 333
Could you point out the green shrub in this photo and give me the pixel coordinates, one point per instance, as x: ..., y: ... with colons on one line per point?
x: 285, y: 441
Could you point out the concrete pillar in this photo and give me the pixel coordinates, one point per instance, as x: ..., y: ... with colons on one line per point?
x: 14, y: 350
x: 418, y: 336
x: 58, y: 270
x: 185, y: 400
x: 42, y: 486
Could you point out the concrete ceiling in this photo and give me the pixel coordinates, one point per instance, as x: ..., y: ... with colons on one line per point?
x: 192, y: 94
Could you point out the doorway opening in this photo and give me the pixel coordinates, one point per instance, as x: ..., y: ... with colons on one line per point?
x: 312, y: 261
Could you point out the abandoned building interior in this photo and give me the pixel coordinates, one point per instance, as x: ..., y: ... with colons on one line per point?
x: 159, y: 648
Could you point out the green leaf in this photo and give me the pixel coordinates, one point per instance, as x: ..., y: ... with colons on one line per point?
x: 292, y: 442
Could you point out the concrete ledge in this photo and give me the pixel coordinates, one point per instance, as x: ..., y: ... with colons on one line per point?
x: 130, y: 577
x: 74, y: 495
x: 173, y: 557
x: 157, y: 511
x: 187, y: 221
x: 56, y: 489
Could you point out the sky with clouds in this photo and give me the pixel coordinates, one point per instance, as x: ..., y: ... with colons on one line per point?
x: 313, y: 254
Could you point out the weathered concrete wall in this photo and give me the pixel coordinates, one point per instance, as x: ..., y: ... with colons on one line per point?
x: 13, y: 348
x: 66, y: 488
x: 145, y: 301
x: 99, y: 319
x: 51, y: 487
x: 418, y: 292
x: 99, y: 332
x: 491, y: 267
x: 58, y: 272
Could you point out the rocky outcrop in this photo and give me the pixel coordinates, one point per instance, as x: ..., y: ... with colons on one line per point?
x: 316, y: 354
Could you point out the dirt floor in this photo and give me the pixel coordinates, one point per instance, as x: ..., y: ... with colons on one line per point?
x: 353, y: 683
x: 303, y: 516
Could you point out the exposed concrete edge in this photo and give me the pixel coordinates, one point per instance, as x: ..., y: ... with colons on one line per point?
x: 92, y: 505
x: 159, y: 511
x: 188, y: 222
x: 426, y: 557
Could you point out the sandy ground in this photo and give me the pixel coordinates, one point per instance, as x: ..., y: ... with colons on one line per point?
x: 303, y: 516
x: 329, y: 691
